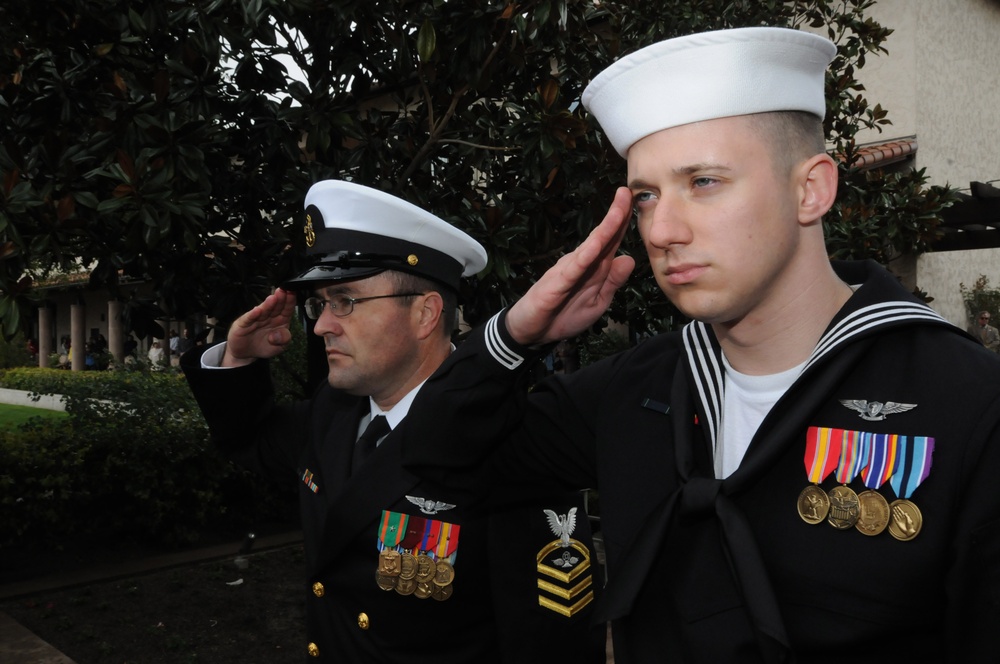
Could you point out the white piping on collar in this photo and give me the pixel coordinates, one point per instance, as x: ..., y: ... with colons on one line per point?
x: 709, y: 373
x: 705, y: 358
x: 866, y: 318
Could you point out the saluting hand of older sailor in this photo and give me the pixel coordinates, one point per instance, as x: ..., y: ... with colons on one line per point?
x: 261, y: 332
x: 574, y: 292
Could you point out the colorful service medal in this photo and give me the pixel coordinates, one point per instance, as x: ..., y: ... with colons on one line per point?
x: 844, y: 506
x: 407, y: 561
x: 914, y: 465
x: 425, y: 561
x: 822, y: 454
x: 391, y: 530
x: 444, y: 570
x: 873, y: 514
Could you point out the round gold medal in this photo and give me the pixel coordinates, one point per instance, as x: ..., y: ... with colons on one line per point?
x: 424, y: 589
x: 905, y: 520
x: 441, y: 593
x: 406, y: 586
x: 386, y: 582
x: 843, y: 507
x: 444, y: 573
x: 407, y: 566
x: 425, y: 568
x: 813, y: 504
x: 873, y: 513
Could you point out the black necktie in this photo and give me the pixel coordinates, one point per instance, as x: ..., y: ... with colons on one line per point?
x: 378, y: 427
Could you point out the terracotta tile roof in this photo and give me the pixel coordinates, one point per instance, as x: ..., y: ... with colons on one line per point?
x: 61, y: 280
x: 80, y: 277
x: 882, y: 154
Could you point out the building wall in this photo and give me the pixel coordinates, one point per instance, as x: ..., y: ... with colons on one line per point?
x: 95, y: 311
x: 939, y: 82
x: 890, y: 78
x: 947, y: 270
x: 96, y: 314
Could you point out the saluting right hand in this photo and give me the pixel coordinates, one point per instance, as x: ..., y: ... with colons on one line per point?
x: 261, y: 332
x: 574, y: 292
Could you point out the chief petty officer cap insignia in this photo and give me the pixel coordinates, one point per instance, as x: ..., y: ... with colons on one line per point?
x: 354, y: 232
x: 707, y: 76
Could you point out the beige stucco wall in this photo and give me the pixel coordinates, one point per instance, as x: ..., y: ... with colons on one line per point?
x: 939, y: 81
x: 890, y: 78
x: 941, y: 273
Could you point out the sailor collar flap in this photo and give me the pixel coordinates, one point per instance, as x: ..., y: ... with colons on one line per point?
x: 879, y: 304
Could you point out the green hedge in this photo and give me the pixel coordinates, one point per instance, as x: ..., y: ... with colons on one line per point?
x: 132, y: 459
x: 14, y: 353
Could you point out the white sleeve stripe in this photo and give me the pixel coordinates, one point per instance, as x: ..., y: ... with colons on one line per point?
x: 497, y: 348
x: 212, y: 358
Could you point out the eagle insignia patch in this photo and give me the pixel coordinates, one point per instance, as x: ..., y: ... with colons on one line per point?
x: 564, y: 573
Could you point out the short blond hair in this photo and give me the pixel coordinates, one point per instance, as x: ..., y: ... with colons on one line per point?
x: 793, y: 136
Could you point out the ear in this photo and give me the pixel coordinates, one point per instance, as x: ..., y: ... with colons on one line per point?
x: 427, y: 314
x: 817, y: 182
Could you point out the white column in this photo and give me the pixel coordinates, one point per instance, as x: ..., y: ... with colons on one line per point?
x: 44, y: 335
x: 78, y: 342
x: 116, y: 338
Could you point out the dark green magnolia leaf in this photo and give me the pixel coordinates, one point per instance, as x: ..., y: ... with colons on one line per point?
x: 426, y: 41
x: 224, y: 134
x: 111, y: 204
x: 136, y: 20
x: 11, y: 318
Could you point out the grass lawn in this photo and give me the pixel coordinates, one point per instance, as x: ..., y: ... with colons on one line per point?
x: 11, y: 416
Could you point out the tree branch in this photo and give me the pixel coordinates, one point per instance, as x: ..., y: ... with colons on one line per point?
x: 476, y: 145
x: 436, y: 129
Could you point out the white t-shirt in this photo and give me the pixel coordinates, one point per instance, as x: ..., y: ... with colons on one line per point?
x: 746, y: 402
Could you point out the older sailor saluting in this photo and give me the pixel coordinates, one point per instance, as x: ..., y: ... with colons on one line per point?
x: 398, y: 570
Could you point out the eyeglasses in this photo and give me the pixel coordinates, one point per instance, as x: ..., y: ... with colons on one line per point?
x: 342, y: 305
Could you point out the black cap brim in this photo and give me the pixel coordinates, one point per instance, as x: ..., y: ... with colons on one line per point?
x: 332, y: 273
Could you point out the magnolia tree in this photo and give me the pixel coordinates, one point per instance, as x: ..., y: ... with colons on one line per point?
x: 172, y: 141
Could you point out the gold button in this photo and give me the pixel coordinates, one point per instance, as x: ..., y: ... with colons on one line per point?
x: 412, y: 259
x: 363, y: 620
x: 318, y: 589
x: 313, y: 650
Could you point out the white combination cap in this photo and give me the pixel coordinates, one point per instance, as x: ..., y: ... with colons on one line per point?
x: 706, y: 76
x: 356, y: 232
